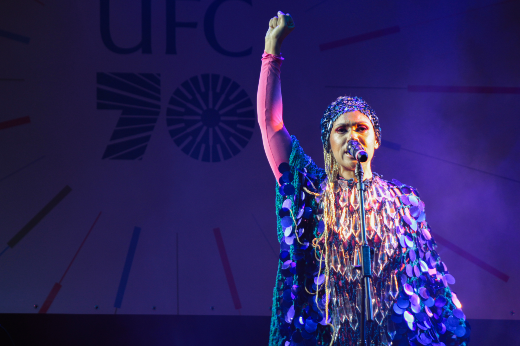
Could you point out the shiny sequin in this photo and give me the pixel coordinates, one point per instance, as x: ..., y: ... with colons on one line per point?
x: 408, y: 317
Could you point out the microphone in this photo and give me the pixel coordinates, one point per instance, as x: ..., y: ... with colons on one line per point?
x: 356, y: 150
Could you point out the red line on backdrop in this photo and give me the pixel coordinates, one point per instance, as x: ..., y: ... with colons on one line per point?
x: 56, y: 288
x: 478, y: 262
x: 463, y: 89
x: 227, y: 268
x: 14, y: 122
x: 77, y: 252
x: 50, y: 298
x: 440, y: 88
x: 394, y: 29
x: 359, y: 38
x: 21, y: 168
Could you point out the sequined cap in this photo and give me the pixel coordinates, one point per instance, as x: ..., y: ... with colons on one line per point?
x: 342, y: 105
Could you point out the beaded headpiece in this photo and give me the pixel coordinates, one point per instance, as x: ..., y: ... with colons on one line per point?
x: 342, y: 105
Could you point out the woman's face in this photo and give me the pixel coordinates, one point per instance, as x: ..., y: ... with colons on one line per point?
x: 356, y: 126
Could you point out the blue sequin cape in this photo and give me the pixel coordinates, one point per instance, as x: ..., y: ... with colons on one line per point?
x: 413, y: 303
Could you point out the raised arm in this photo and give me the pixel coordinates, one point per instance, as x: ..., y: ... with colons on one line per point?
x: 276, y: 139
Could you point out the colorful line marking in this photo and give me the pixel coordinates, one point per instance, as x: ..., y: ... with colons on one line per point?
x: 81, y: 245
x: 14, y: 37
x: 38, y: 217
x: 455, y: 14
x: 394, y: 29
x: 360, y: 38
x: 50, y: 298
x: 265, y: 237
x: 478, y: 262
x: 364, y: 87
x: 390, y: 145
x: 463, y: 89
x: 56, y: 288
x: 14, y: 122
x: 397, y: 147
x: 227, y: 268
x: 315, y: 5
x: 440, y: 89
x: 177, y: 263
x: 126, y: 269
x: 20, y: 169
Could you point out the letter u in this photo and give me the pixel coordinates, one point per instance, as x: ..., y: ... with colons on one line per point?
x: 146, y: 29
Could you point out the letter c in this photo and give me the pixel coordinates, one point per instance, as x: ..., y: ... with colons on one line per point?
x: 209, y: 30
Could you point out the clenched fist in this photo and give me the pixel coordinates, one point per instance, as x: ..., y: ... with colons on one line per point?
x: 279, y: 27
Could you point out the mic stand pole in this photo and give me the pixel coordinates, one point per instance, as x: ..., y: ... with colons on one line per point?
x: 367, y: 314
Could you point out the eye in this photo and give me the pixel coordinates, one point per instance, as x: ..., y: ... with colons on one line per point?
x: 341, y: 129
x: 361, y: 128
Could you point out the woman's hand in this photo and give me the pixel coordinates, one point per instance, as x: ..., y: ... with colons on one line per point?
x: 279, y: 28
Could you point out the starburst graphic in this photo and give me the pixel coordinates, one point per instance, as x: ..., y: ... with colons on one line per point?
x: 210, y: 118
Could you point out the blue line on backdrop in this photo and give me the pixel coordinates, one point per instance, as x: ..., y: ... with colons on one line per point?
x: 391, y: 145
x: 127, y: 267
x: 14, y: 37
x: 19, y: 169
x: 1, y: 253
x: 315, y: 5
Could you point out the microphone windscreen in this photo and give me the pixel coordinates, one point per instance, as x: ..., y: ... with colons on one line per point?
x: 362, y: 156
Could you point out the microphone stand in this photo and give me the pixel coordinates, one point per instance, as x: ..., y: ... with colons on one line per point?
x: 367, y: 314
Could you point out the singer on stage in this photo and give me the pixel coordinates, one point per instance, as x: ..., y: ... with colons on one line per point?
x: 318, y: 298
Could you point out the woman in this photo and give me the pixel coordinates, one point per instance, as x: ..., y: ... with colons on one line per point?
x: 317, y: 298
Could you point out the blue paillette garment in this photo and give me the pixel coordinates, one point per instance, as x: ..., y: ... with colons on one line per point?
x: 317, y: 298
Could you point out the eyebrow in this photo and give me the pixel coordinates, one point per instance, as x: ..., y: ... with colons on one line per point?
x: 350, y: 123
